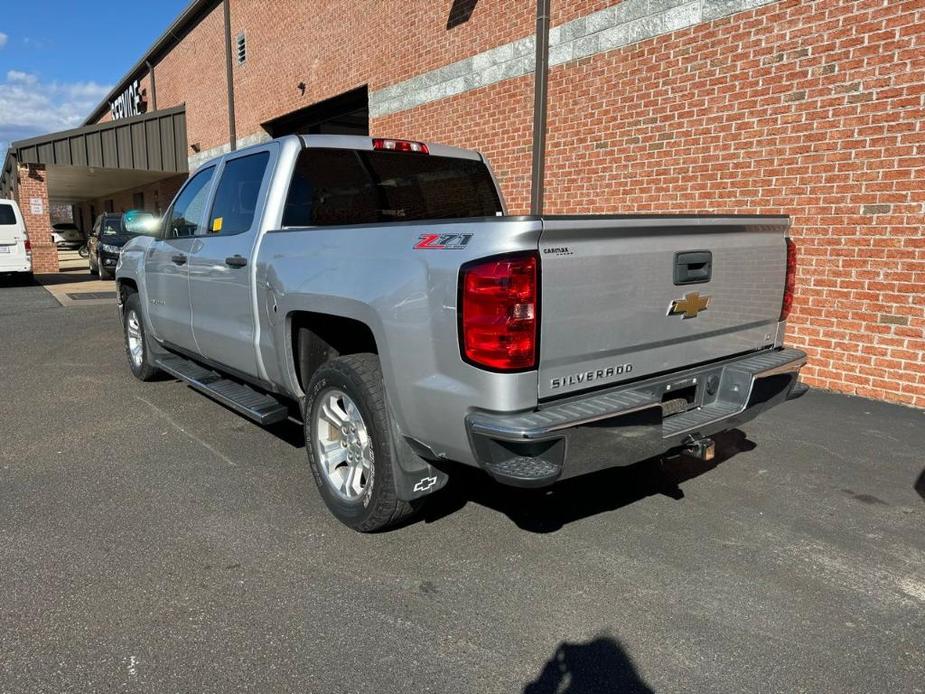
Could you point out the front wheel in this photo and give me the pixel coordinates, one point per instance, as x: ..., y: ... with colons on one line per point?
x: 83, y: 252
x: 136, y: 348
x: 349, y: 443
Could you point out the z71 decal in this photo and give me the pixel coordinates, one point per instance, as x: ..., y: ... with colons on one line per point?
x: 443, y: 242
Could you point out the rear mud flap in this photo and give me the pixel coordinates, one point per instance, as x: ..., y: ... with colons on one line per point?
x: 414, y: 476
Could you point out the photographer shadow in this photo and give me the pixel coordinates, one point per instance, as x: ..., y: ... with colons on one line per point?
x: 600, y: 666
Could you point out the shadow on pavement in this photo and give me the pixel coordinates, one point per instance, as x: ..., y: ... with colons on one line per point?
x: 17, y: 279
x: 920, y: 485
x: 290, y: 431
x: 68, y: 277
x: 548, y: 510
x: 599, y: 666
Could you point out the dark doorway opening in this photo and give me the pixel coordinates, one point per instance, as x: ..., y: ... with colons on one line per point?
x: 344, y: 114
x: 460, y: 13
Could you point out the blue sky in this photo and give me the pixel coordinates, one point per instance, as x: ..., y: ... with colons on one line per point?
x: 59, y: 58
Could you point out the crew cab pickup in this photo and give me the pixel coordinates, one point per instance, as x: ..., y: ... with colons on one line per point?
x: 378, y: 288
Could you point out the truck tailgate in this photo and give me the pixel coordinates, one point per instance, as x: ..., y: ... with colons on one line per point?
x: 625, y: 297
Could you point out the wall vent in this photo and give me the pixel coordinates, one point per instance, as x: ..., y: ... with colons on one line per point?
x: 241, y: 48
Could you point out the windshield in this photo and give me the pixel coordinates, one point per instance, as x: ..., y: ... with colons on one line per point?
x: 112, y: 226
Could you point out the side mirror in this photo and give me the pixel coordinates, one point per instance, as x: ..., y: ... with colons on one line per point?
x: 138, y: 222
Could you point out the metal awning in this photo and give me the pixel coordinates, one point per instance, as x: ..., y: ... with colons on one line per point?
x: 87, y: 162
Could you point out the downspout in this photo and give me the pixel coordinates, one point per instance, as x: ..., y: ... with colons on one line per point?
x: 540, y: 99
x: 14, y: 176
x: 153, y: 85
x: 232, y: 131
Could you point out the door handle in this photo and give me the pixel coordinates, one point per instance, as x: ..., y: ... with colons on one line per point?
x: 178, y: 259
x: 236, y: 261
x: 693, y: 267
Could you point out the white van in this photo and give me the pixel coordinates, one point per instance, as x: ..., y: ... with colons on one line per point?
x: 15, y: 251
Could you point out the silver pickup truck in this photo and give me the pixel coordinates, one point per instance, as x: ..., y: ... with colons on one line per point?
x: 379, y: 289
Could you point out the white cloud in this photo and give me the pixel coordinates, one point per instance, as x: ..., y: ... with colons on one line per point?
x: 3, y: 39
x: 30, y: 107
x: 21, y: 77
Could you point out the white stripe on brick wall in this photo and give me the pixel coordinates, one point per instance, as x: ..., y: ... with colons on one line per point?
x: 626, y: 23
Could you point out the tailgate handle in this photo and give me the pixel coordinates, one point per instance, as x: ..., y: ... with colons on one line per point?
x: 693, y: 267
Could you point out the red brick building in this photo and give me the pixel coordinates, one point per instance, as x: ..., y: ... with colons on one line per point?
x: 812, y: 108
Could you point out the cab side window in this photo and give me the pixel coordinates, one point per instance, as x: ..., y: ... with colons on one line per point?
x: 236, y: 196
x: 186, y: 214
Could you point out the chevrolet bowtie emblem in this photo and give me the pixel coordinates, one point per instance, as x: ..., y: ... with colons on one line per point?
x: 689, y: 306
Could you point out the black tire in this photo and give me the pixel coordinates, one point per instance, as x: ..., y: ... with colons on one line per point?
x: 143, y: 369
x: 359, y: 377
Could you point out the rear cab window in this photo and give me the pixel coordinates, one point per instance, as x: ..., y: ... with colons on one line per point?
x: 333, y: 187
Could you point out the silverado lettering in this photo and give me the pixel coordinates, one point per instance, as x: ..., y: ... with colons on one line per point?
x: 588, y: 376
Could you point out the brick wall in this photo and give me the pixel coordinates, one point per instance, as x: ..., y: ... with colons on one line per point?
x: 375, y: 43
x: 194, y: 73
x: 32, y: 184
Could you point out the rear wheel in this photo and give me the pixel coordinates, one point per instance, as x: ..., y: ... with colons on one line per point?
x: 136, y: 348
x: 349, y: 443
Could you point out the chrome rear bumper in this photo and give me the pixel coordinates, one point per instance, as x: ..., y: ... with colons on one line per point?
x: 627, y: 424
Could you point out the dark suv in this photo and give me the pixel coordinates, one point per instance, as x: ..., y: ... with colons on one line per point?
x: 110, y: 233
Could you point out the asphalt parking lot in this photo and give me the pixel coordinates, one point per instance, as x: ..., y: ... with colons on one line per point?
x: 151, y: 540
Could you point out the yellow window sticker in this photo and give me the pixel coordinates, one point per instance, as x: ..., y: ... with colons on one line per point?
x: 217, y: 224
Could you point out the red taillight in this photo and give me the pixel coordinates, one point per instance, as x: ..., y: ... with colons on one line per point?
x: 791, y: 281
x: 499, y: 316
x: 400, y: 146
x: 28, y: 244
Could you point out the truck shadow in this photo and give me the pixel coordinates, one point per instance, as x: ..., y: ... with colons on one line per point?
x: 17, y: 280
x: 548, y: 510
x: 599, y: 666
